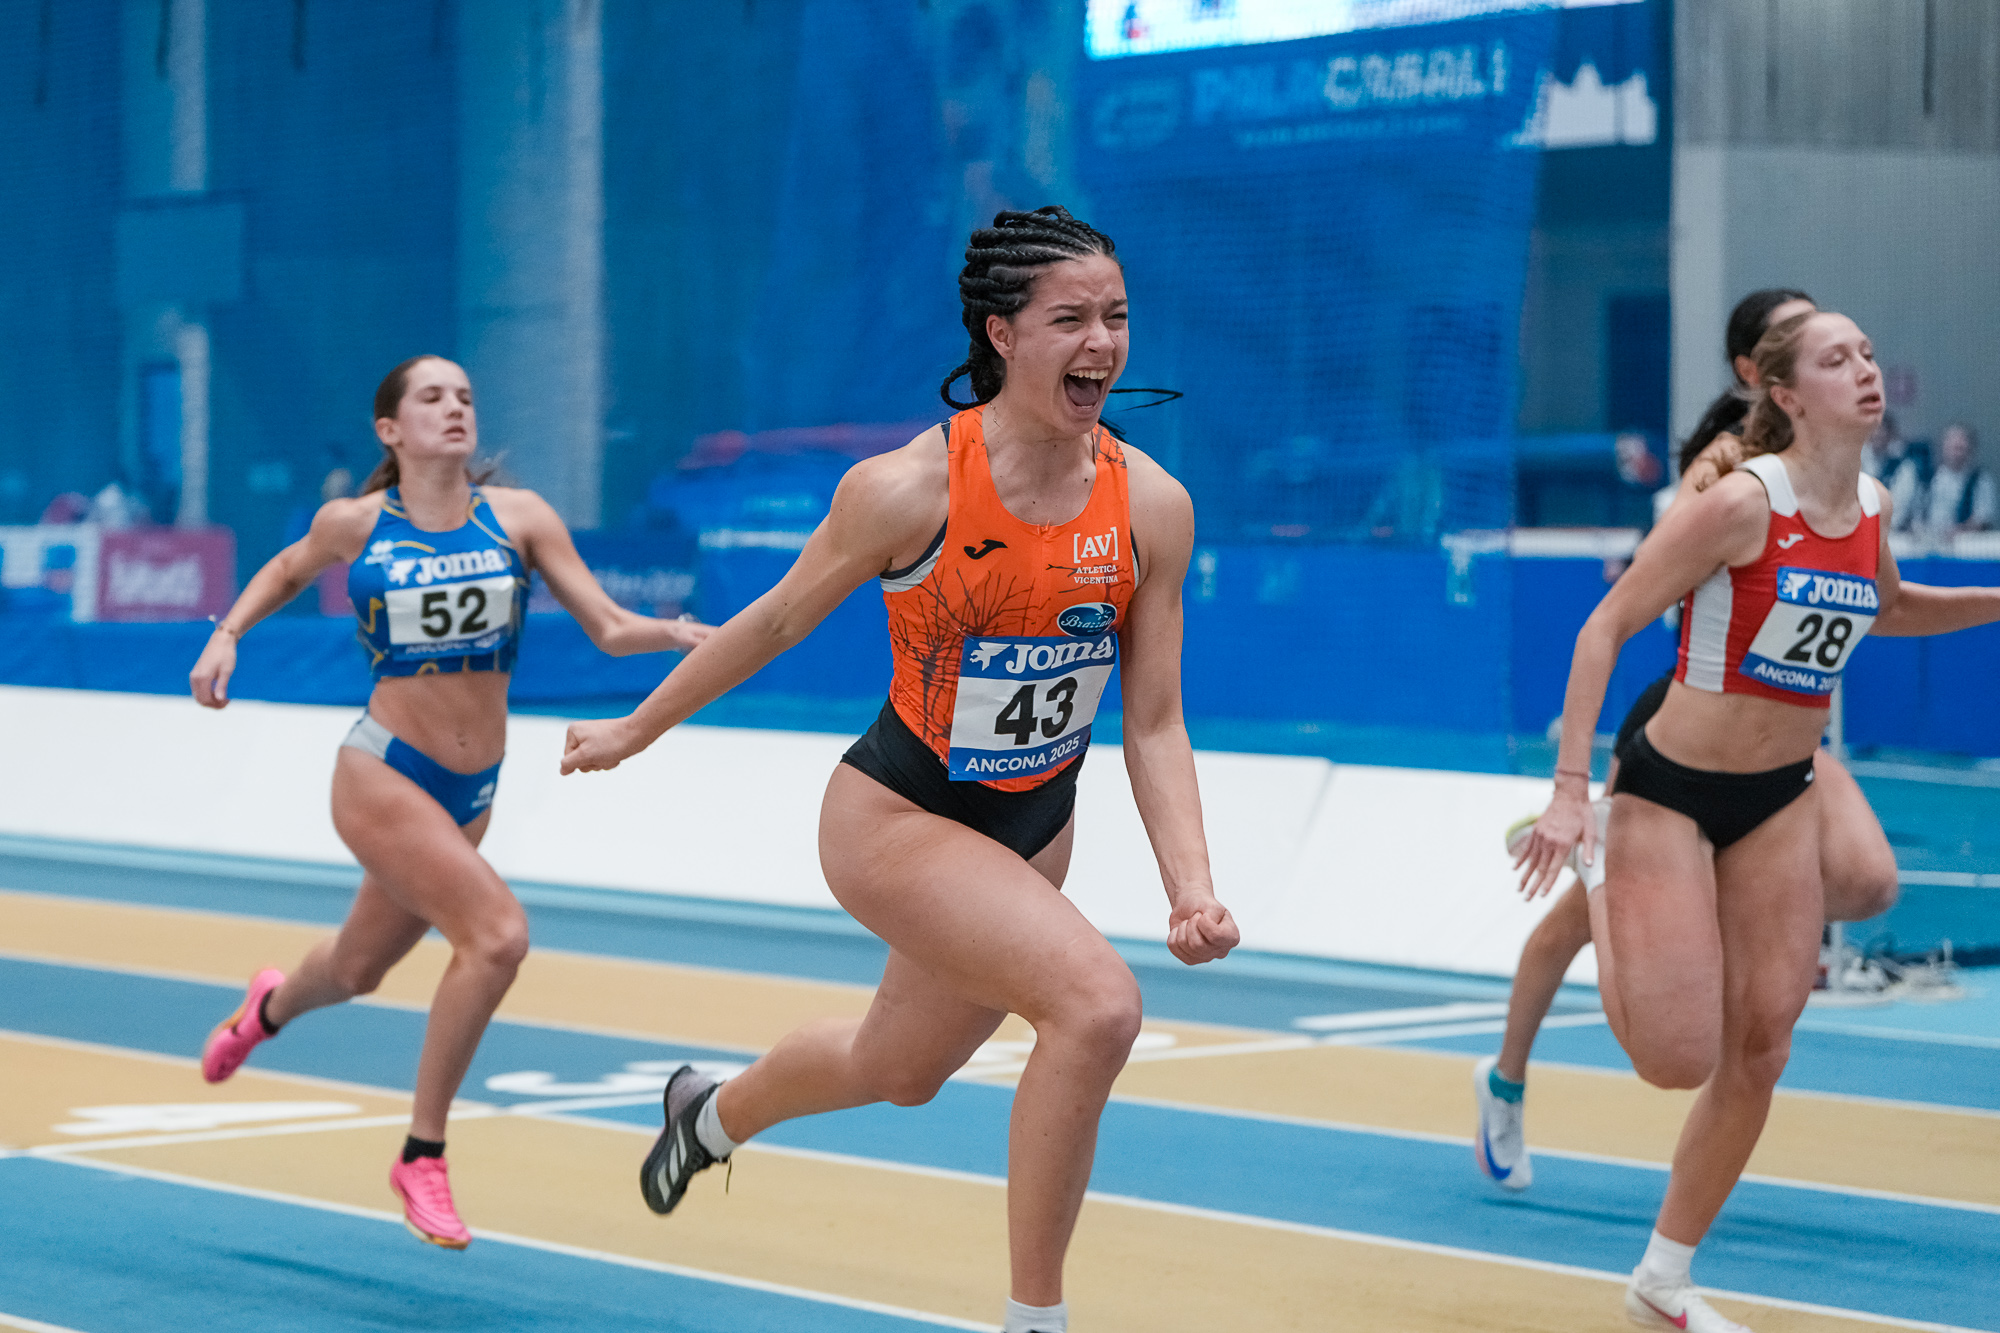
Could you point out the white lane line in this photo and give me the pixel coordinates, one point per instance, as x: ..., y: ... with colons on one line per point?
x: 1302, y: 1041
x: 1335, y: 1233
x: 1383, y: 1018
x: 459, y: 1112
x: 190, y: 1062
x: 68, y: 1150
x: 563, y: 1113
x: 1814, y: 1094
x: 1595, y: 1159
x: 31, y: 1325
x: 1260, y: 1046
x: 545, y: 1246
x: 405, y: 1006
x: 1899, y: 1034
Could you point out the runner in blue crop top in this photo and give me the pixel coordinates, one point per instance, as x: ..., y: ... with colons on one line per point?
x: 438, y: 571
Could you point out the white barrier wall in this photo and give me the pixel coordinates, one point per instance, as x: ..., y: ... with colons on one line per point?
x: 1381, y: 865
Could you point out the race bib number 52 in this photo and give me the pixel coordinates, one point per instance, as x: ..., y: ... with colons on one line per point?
x: 1025, y: 705
x: 1805, y: 640
x: 451, y: 617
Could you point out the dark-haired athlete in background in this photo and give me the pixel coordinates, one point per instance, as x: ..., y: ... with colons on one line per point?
x: 1022, y: 551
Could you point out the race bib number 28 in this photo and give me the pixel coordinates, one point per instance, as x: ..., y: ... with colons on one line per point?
x: 1025, y: 705
x: 1805, y: 639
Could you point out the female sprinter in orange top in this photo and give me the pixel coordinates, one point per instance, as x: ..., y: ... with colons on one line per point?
x: 1708, y: 924
x: 1022, y: 550
x: 439, y: 575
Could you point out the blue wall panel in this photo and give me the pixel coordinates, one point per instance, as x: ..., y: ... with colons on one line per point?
x: 1342, y: 635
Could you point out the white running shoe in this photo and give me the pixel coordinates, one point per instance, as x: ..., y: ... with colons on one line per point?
x: 1500, y: 1148
x: 1674, y: 1307
x: 1592, y: 875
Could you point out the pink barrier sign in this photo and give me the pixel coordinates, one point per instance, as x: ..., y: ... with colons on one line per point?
x: 166, y: 574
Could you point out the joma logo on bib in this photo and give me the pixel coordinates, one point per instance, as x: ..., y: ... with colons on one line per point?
x: 1040, y: 657
x: 431, y: 568
x: 1807, y: 587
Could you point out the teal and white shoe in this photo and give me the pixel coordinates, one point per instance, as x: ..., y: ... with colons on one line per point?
x: 1499, y: 1145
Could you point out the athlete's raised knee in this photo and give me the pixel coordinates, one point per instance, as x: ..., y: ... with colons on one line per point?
x: 1100, y: 1011
x: 1866, y: 895
x: 907, y: 1086
x: 1675, y: 1062
x: 358, y: 977
x: 500, y: 946
x: 1759, y: 1056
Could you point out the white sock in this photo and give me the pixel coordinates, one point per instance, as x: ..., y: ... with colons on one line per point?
x: 1037, y: 1318
x: 1666, y: 1263
x: 708, y: 1128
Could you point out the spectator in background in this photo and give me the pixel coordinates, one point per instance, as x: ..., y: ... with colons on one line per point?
x: 116, y: 507
x: 68, y: 507
x: 1886, y: 449
x: 1961, y: 495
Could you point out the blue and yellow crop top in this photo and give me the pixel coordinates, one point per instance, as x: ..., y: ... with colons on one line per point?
x: 438, y: 601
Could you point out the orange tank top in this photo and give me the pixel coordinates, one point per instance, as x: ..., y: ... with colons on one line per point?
x: 1004, y: 634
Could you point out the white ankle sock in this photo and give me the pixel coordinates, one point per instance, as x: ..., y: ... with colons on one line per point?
x: 1037, y: 1318
x: 1666, y: 1263
x: 708, y: 1128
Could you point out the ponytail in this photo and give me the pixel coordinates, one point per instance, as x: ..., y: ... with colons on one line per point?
x: 1768, y: 429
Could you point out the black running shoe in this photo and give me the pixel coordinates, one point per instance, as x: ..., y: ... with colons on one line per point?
x: 677, y: 1154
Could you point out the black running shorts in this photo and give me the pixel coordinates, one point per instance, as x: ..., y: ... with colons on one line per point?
x: 1024, y: 822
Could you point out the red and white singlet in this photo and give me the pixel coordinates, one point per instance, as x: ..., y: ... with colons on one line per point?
x: 1783, y: 626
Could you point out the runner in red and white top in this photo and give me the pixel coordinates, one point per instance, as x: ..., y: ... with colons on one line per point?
x: 1713, y: 841
x: 1783, y: 626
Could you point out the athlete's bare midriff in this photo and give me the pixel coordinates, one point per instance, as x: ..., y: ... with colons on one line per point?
x: 1733, y: 733
x: 458, y: 719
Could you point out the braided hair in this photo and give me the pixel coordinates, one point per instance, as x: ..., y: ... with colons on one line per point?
x: 1747, y: 324
x: 1001, y: 263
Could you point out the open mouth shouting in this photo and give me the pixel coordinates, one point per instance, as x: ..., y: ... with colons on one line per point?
x: 1085, y: 388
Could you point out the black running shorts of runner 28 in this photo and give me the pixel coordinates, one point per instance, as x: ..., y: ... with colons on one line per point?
x: 1024, y: 822
x: 1725, y: 806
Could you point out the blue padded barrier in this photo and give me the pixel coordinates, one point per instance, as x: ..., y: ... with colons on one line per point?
x: 1343, y: 635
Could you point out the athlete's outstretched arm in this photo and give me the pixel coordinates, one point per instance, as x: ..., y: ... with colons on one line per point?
x: 1724, y: 525
x: 545, y: 543
x: 338, y: 532
x: 1922, y: 610
x: 1158, y: 755
x: 1915, y: 610
x: 880, y: 506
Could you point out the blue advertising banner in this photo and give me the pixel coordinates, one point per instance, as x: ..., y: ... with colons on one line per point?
x: 1326, y: 242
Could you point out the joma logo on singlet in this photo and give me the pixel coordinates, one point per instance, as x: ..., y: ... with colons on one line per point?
x: 1104, y: 546
x: 431, y: 568
x: 1805, y: 587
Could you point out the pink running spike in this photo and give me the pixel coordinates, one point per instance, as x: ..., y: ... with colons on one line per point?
x: 427, y: 1206
x: 231, y: 1043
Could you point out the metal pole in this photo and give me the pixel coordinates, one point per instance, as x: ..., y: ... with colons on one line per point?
x: 1836, y: 936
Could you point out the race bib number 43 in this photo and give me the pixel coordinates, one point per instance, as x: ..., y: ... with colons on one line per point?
x: 1025, y: 705
x: 452, y: 617
x: 1805, y: 639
